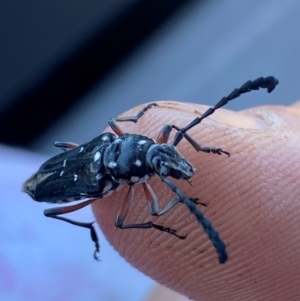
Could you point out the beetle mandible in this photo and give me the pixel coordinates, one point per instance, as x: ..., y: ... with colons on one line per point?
x: 98, y: 168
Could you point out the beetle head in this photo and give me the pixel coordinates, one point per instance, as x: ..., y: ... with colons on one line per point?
x: 166, y: 160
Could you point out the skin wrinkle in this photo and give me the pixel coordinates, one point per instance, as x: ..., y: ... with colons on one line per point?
x: 252, y: 203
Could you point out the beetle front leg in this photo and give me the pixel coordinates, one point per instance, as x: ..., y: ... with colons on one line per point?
x: 123, y: 213
x: 153, y: 201
x: 164, y: 135
x: 205, y: 149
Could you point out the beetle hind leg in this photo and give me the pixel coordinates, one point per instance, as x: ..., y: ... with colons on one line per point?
x: 55, y: 212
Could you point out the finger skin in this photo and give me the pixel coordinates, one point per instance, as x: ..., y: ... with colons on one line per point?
x: 162, y: 293
x: 254, y: 203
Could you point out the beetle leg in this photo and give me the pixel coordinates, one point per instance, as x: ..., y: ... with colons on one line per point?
x: 113, y: 123
x: 55, y: 212
x: 65, y: 145
x: 205, y: 149
x: 164, y: 134
x: 123, y: 213
x: 153, y: 201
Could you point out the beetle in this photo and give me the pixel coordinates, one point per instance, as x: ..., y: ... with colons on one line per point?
x: 98, y: 168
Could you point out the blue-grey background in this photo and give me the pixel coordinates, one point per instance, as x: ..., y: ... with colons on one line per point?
x: 199, y: 55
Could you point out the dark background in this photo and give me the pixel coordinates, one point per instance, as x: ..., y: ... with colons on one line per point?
x: 66, y: 68
x: 54, y: 53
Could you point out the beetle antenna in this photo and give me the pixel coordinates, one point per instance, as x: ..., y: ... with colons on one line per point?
x: 268, y: 83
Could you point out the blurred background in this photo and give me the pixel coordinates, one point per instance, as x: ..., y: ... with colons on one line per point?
x: 67, y: 67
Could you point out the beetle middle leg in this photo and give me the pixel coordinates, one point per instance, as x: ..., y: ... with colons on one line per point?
x: 113, y: 123
x: 124, y: 211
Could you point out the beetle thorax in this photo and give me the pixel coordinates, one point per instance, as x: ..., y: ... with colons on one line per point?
x: 125, y: 159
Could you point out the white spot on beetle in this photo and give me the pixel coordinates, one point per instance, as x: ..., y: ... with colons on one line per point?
x: 98, y: 176
x: 104, y: 138
x: 112, y: 164
x: 61, y: 173
x: 97, y: 156
x: 75, y: 177
x: 81, y: 149
x: 138, y: 163
x: 64, y: 163
x: 141, y: 142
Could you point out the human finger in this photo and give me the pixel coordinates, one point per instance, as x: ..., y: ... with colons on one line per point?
x: 252, y: 202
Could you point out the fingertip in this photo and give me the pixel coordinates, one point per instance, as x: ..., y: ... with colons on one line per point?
x: 251, y: 200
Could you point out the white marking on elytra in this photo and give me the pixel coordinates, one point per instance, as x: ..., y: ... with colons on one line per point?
x: 98, y: 176
x: 138, y: 162
x: 104, y: 138
x: 75, y: 177
x: 81, y: 149
x: 141, y: 142
x: 97, y: 156
x: 64, y: 163
x: 112, y: 164
x: 61, y: 173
